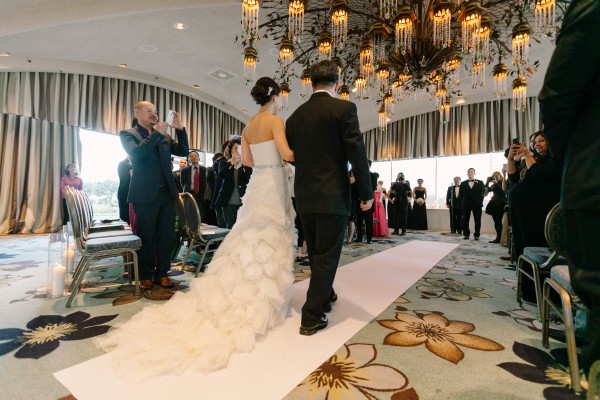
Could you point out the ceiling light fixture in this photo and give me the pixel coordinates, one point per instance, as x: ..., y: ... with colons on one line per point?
x: 179, y: 26
x: 4, y: 54
x: 123, y: 65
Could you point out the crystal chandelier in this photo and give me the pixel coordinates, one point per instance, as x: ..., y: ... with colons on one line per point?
x: 404, y: 49
x: 383, y: 118
x: 519, y: 89
x: 344, y: 92
x: 388, y: 103
x: 284, y: 94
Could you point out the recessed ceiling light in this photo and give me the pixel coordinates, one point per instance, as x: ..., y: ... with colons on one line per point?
x: 245, y: 111
x: 461, y: 100
x: 354, y: 90
x: 179, y: 25
x: 148, y: 48
x: 123, y: 65
x: 4, y: 54
x: 196, y: 86
x: 222, y: 75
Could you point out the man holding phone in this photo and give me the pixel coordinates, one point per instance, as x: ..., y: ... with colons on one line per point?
x: 152, y: 191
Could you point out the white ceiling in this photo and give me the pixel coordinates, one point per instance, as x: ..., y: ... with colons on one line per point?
x: 94, y: 37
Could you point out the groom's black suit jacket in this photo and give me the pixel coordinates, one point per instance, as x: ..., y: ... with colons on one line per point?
x: 325, y: 136
x: 472, y: 198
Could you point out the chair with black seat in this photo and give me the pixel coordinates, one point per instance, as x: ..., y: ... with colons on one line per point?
x: 204, y: 239
x: 182, y: 229
x: 95, y: 248
x: 536, y: 262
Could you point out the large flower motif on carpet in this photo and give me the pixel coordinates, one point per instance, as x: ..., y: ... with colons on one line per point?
x: 543, y: 368
x: 440, y: 335
x: 478, y: 262
x: 352, y: 374
x: 454, y: 270
x: 448, y: 288
x: 44, y: 333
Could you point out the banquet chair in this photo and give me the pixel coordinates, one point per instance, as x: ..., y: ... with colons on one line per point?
x: 95, y: 248
x: 97, y: 226
x: 204, y: 239
x: 182, y: 229
x: 535, y: 262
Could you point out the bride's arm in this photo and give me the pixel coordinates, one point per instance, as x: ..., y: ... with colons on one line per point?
x: 280, y: 140
x: 246, y: 152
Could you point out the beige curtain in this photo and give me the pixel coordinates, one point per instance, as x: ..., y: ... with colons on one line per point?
x: 40, y: 117
x: 34, y: 154
x: 475, y: 128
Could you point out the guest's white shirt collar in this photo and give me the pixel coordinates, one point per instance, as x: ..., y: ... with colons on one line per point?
x: 324, y: 91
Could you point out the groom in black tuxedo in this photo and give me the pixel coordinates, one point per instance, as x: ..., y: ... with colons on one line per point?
x: 471, y: 194
x: 454, y: 204
x: 325, y: 136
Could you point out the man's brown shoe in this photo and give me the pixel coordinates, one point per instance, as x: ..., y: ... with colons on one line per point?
x: 165, y: 282
x: 505, y: 258
x: 146, y: 284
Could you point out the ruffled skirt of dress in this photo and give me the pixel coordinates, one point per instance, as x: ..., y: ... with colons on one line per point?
x: 244, y: 293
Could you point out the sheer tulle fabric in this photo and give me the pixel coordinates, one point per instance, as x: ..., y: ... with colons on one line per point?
x: 244, y: 292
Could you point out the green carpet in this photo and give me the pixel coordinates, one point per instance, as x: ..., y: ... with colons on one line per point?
x: 458, y: 333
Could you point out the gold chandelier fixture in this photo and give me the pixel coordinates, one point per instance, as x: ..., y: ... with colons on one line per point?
x: 390, y: 50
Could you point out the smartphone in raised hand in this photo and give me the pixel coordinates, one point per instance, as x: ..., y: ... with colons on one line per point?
x: 170, y: 117
x: 516, y: 141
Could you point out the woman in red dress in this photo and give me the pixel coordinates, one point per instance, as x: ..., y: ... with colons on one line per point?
x: 380, y: 228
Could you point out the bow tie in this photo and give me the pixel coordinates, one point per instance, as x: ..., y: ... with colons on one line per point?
x: 471, y: 180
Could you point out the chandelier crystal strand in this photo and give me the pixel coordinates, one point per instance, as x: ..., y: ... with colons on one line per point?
x: 397, y: 89
x: 250, y: 9
x: 325, y: 44
x: 500, y: 79
x: 545, y: 16
x: 387, y: 8
x: 520, y: 46
x: 306, y: 83
x: 452, y: 67
x: 519, y: 89
x: 470, y: 24
x: 478, y: 73
x: 338, y: 62
x: 383, y: 118
x: 366, y: 61
x: 378, y: 33
x: 442, y: 21
x: 285, y: 92
x: 296, y: 19
x: 388, y: 103
x: 250, y: 56
x: 404, y: 30
x: 444, y: 108
x: 383, y: 75
x: 481, y: 41
x: 339, y: 23
x: 360, y: 84
x: 344, y: 92
x: 286, y: 53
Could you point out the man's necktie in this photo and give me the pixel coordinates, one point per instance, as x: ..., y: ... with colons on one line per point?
x: 196, y: 180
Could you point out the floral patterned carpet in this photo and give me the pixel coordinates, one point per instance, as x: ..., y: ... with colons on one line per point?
x: 458, y: 333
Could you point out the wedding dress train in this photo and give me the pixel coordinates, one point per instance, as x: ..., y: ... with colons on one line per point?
x: 244, y: 292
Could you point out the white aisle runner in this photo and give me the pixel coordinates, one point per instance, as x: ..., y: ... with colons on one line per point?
x: 365, y: 288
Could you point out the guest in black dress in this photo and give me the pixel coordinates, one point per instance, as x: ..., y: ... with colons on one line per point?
x: 419, y: 206
x: 495, y: 207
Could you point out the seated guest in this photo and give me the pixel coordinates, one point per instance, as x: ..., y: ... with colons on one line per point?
x: 69, y: 179
x: 536, y: 190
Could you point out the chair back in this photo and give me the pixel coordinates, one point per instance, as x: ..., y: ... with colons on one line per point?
x: 183, y: 228
x: 555, y: 230
x: 192, y: 216
x: 74, y: 215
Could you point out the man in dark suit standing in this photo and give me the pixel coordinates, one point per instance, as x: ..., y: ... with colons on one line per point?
x: 454, y: 204
x: 366, y: 217
x: 152, y: 190
x: 177, y: 174
x: 193, y: 180
x: 570, y: 107
x: 471, y: 195
x: 325, y: 136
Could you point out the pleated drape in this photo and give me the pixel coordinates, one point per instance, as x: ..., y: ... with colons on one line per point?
x: 475, y: 128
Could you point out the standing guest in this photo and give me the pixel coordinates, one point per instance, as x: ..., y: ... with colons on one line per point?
x: 70, y: 179
x: 152, y: 191
x: 454, y: 205
x: 420, y: 205
x: 234, y: 178
x: 471, y: 194
x: 366, y: 217
x: 193, y: 180
x: 177, y: 174
x: 399, y: 195
x: 124, y: 171
x: 211, y: 180
x: 380, y: 228
x: 218, y: 183
x: 570, y: 107
x: 495, y: 207
x: 354, y: 206
x: 325, y: 136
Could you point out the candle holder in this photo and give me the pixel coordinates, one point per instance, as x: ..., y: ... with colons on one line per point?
x: 57, y: 264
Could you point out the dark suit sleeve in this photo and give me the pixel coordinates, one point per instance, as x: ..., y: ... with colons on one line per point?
x: 356, y: 153
x: 181, y: 146
x: 140, y: 150
x: 573, y: 67
x: 448, y: 195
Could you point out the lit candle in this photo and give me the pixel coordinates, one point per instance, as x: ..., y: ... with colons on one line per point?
x: 70, y: 261
x: 58, y: 280
x: 72, y: 246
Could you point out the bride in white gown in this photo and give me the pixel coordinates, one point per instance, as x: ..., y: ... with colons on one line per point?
x: 245, y: 290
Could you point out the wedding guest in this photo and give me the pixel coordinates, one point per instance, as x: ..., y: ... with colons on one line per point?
x: 495, y: 206
x: 351, y: 227
x: 454, y: 205
x: 380, y: 228
x: 71, y: 179
x: 218, y: 183
x: 193, y: 180
x: 124, y: 171
x: 570, y: 107
x: 471, y: 194
x: 366, y: 217
x: 400, y: 192
x: 177, y: 174
x: 420, y: 206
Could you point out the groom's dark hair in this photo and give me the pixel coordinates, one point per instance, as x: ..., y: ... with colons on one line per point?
x: 324, y: 73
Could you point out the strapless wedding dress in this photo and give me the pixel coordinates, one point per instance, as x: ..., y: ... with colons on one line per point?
x: 243, y: 293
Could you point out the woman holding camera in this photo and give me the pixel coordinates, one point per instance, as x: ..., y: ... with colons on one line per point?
x: 495, y: 207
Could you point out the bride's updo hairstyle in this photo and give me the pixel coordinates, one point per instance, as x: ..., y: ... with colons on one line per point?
x: 263, y: 90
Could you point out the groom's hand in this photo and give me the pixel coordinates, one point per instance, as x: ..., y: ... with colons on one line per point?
x: 366, y: 205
